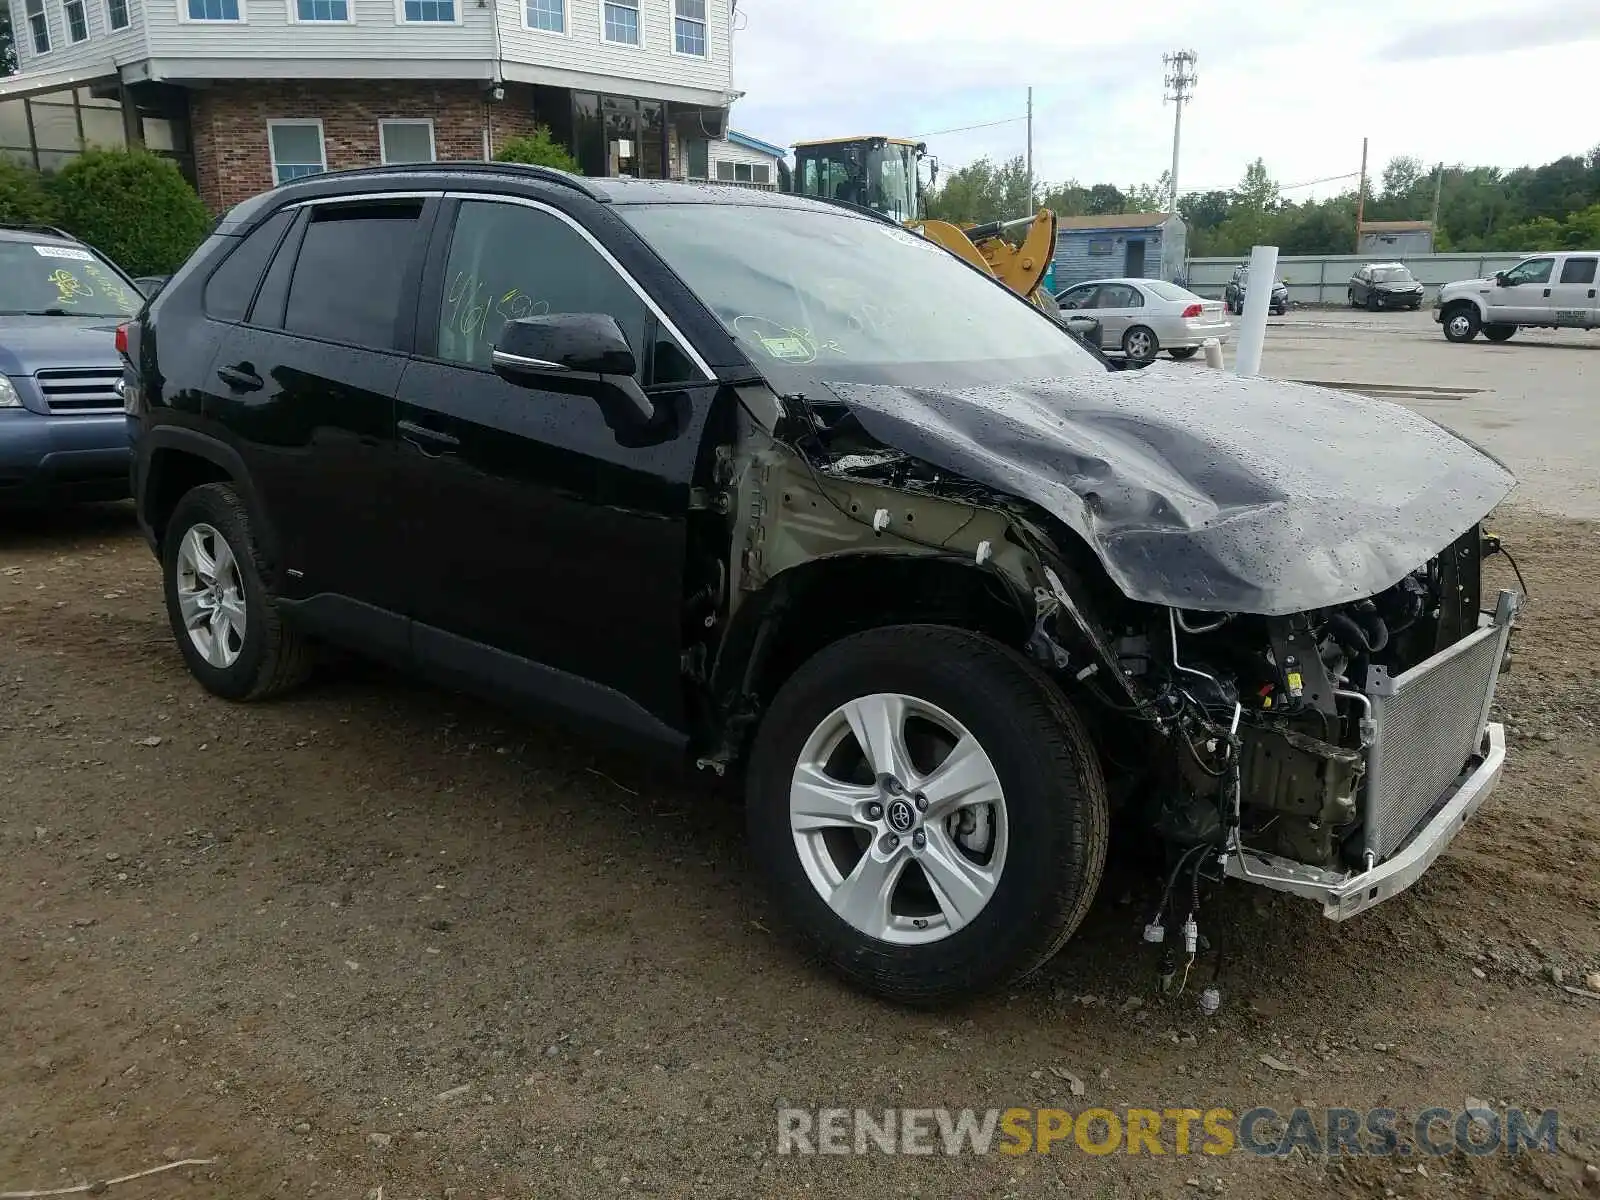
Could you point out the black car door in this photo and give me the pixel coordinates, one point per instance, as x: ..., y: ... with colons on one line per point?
x: 547, y: 539
x: 306, y: 385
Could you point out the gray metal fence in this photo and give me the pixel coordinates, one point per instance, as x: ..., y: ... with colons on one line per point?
x: 1323, y: 279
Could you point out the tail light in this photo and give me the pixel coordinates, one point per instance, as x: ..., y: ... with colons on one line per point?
x: 122, y: 339
x: 1194, y: 310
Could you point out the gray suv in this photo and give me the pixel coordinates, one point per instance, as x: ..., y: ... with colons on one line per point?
x: 63, y: 433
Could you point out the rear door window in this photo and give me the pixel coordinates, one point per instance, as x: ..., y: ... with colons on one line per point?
x: 1578, y: 270
x: 233, y: 284
x: 349, y: 279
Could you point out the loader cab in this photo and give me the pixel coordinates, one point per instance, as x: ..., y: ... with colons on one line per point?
x: 880, y: 173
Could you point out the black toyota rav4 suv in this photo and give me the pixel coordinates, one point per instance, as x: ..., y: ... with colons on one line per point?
x: 789, y: 490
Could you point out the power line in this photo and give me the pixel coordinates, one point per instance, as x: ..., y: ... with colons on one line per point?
x: 969, y: 128
x: 1287, y: 187
x: 1290, y: 187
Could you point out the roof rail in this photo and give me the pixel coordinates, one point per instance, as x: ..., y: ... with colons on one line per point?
x: 49, y: 229
x: 466, y: 167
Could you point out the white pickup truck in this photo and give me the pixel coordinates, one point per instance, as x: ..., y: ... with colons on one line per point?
x: 1552, y: 291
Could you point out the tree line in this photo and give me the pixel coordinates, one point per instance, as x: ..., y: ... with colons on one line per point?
x: 1551, y: 207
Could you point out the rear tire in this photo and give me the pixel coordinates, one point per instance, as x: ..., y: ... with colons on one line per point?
x: 1182, y: 352
x: 231, y: 636
x: 1140, y: 344
x: 1499, y: 333
x: 1461, y: 323
x: 1030, y: 784
x: 1350, y: 298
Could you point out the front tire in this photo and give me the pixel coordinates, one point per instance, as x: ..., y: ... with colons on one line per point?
x: 1373, y: 303
x: 232, y: 638
x: 1499, y: 333
x: 928, y: 811
x: 1140, y: 344
x: 1461, y: 323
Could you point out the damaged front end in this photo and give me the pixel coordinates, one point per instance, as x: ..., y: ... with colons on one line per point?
x: 1312, y: 718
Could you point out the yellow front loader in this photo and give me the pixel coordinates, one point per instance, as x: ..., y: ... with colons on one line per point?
x: 883, y: 174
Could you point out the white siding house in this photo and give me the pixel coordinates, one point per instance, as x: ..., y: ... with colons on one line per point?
x: 622, y: 83
x: 737, y: 158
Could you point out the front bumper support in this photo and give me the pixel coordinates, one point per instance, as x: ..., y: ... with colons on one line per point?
x: 1343, y: 894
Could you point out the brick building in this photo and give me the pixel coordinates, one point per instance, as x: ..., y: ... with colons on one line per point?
x: 243, y: 94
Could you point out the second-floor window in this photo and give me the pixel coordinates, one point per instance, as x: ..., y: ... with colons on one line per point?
x: 215, y: 10
x: 548, y: 15
x: 621, y: 21
x: 117, y: 14
x: 322, y: 10
x: 430, y: 11
x: 77, y: 20
x: 689, y: 27
x: 38, y: 27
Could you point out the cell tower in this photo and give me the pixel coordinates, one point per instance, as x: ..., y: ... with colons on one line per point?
x: 1179, y: 88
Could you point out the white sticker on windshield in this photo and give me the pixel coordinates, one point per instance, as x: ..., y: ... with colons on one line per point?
x: 71, y: 252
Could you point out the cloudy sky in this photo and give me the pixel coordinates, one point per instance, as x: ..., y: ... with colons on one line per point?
x: 1296, y: 82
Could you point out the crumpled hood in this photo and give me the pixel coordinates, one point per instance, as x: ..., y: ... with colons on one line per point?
x: 1203, y: 490
x: 29, y: 344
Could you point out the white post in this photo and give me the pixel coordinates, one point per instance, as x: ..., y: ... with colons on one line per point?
x: 1213, y: 349
x: 1257, y: 299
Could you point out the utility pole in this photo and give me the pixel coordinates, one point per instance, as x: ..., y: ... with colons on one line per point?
x: 1438, y: 192
x: 1178, y: 82
x: 1361, y: 194
x: 1030, y: 153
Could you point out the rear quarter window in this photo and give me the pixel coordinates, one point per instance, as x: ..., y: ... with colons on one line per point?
x: 233, y: 284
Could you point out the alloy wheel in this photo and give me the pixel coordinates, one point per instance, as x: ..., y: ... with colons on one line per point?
x: 899, y: 818
x: 211, y: 595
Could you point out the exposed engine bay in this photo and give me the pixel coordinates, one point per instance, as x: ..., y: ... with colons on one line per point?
x: 1271, y: 715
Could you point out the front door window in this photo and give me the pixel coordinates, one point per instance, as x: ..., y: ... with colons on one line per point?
x: 508, y: 261
x: 1535, y: 270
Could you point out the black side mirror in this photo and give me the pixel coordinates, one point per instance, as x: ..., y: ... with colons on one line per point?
x: 580, y: 347
x: 150, y: 285
x: 1500, y: 278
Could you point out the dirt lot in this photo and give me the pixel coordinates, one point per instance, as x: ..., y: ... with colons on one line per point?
x: 379, y: 937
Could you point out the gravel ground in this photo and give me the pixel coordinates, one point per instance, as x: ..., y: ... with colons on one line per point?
x: 376, y: 936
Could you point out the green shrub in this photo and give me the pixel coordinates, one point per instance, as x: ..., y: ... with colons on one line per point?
x: 132, y: 206
x: 23, y: 198
x: 538, y: 148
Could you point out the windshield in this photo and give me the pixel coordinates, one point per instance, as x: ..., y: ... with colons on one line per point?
x: 52, y: 279
x: 882, y: 178
x: 828, y: 296
x: 1391, y: 275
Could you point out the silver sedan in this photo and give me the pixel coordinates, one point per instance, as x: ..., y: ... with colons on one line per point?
x: 1142, y: 317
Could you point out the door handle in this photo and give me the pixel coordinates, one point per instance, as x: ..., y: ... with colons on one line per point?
x: 431, y: 442
x: 1547, y: 291
x: 240, y: 378
x: 1591, y: 293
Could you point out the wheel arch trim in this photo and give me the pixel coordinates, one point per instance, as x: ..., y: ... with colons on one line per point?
x: 220, y: 454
